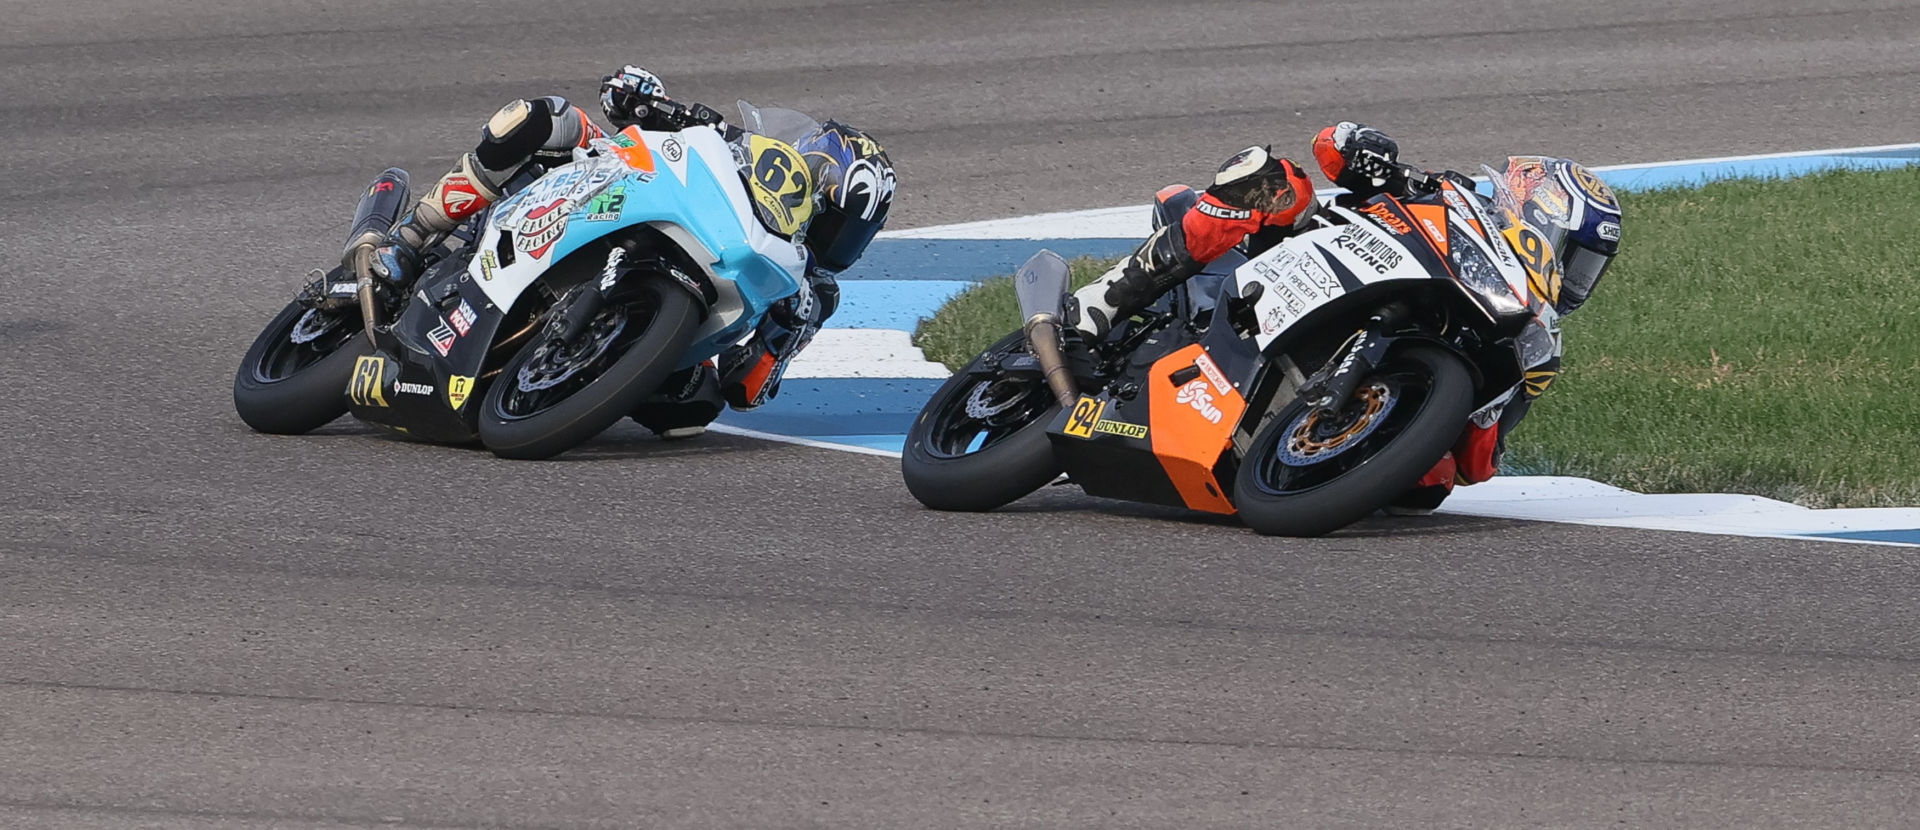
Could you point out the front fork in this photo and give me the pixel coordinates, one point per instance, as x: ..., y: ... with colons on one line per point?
x: 1330, y: 387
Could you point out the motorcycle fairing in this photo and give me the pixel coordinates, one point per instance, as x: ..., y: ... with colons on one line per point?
x: 703, y: 207
x: 1168, y: 443
x: 443, y: 299
x: 700, y: 205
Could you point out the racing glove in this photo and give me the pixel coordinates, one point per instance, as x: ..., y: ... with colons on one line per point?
x: 1356, y: 156
x: 626, y: 96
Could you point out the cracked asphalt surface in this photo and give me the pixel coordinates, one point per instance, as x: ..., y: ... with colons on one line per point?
x: 204, y: 627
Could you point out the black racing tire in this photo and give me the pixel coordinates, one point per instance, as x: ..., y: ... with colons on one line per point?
x: 638, y: 371
x: 288, y: 388
x: 1389, y: 465
x: 1012, y: 464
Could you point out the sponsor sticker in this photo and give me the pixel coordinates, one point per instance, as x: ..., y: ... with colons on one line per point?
x: 367, y: 387
x: 462, y: 318
x: 1197, y: 395
x: 458, y: 198
x: 1085, y: 414
x: 458, y: 388
x: 405, y: 388
x: 1120, y: 428
x: 542, y: 228
x: 1219, y: 212
x: 1212, y: 373
x: 488, y: 262
x: 1384, y: 215
x: 671, y: 150
x: 442, y: 337
x: 1377, y: 253
x: 1610, y: 231
x: 606, y: 206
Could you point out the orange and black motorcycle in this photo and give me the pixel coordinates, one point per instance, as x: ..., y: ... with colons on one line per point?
x: 1321, y: 380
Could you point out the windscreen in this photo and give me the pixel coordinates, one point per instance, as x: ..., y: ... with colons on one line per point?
x: 777, y: 123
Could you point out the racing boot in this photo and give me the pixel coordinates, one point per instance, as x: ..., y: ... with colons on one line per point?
x: 750, y: 373
x: 1133, y: 283
x: 688, y: 401
x: 395, y: 257
x: 1425, y: 495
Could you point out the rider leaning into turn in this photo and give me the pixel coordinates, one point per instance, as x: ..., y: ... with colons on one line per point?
x: 1256, y: 201
x: 546, y: 131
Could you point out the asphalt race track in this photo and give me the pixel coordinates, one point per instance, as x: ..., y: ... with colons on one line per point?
x: 204, y: 627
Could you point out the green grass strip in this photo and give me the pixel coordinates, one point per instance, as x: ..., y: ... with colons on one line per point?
x: 1755, y: 336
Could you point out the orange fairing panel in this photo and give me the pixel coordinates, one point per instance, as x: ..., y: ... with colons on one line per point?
x: 1193, y: 423
x: 632, y: 149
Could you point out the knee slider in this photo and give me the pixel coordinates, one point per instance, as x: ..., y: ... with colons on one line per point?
x: 514, y: 134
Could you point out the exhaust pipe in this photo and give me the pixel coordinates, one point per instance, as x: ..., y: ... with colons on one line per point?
x: 1041, y: 284
x: 376, y: 214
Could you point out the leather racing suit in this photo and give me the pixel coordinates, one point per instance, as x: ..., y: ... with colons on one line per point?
x: 1257, y: 201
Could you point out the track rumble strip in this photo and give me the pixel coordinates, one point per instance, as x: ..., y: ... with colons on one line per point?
x: 856, y: 389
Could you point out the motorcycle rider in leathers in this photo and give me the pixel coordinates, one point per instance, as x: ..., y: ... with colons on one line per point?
x: 1255, y: 202
x: 545, y: 131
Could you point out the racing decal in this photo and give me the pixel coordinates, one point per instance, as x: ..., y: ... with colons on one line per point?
x: 1212, y: 372
x: 781, y: 184
x: 488, y: 262
x: 1222, y: 212
x: 1385, y: 216
x: 458, y: 387
x: 367, y: 387
x: 1537, y: 382
x: 1543, y: 272
x: 458, y: 197
x: 1085, y: 414
x: 606, y: 206
x: 406, y: 388
x: 1199, y: 396
x: 462, y: 318
x: 1609, y: 231
x: 1371, y: 249
x: 1297, y: 282
x: 867, y: 187
x: 382, y: 186
x: 632, y: 149
x: 542, y: 228
x: 442, y: 338
x: 1587, y: 184
x: 1433, y: 219
x: 672, y: 150
x: 1120, y: 428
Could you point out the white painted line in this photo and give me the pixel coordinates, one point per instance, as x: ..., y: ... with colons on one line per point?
x: 1569, y: 500
x: 1837, y: 151
x: 864, y: 353
x: 727, y: 429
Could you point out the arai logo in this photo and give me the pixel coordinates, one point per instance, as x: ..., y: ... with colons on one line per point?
x: 1197, y: 395
x: 542, y: 227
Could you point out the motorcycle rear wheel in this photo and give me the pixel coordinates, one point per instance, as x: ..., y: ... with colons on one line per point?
x: 981, y: 441
x: 294, y: 377
x: 542, y: 404
x: 1357, y: 466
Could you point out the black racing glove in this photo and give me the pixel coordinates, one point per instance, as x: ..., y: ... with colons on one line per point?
x: 628, y: 95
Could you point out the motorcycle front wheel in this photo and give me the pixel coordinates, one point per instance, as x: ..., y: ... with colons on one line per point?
x: 294, y: 377
x: 981, y: 441
x: 555, y: 394
x: 1309, y: 475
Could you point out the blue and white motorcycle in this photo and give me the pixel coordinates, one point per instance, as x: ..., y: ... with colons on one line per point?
x: 549, y: 317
